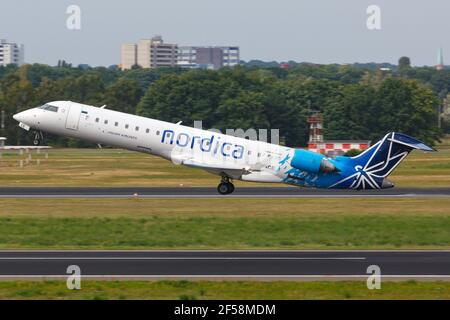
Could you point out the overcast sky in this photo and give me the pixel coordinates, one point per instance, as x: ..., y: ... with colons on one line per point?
x: 319, y: 31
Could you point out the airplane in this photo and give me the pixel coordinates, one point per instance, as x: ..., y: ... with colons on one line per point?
x: 231, y: 158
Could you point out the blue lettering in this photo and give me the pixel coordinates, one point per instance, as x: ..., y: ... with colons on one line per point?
x: 223, y: 149
x: 208, y: 144
x: 217, y: 145
x: 193, y: 141
x: 184, y: 144
x: 238, y: 153
x: 169, y: 133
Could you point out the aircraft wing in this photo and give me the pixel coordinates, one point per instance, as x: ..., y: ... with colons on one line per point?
x: 231, y: 170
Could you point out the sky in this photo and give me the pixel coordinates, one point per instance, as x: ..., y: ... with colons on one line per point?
x: 317, y: 31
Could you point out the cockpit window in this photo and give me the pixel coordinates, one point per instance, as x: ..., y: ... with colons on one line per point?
x: 49, y: 108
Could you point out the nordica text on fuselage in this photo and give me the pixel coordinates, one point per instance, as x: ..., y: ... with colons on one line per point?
x: 211, y: 145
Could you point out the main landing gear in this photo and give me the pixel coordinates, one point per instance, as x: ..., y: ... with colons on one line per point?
x: 38, y: 138
x: 225, y: 186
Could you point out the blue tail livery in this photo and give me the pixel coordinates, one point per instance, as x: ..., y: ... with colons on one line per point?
x: 368, y: 170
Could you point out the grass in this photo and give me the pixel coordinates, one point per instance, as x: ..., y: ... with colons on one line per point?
x: 91, y: 167
x: 111, y: 167
x: 229, y: 224
x: 421, y: 169
x: 193, y: 290
x: 221, y: 233
x: 213, y: 224
x: 223, y: 207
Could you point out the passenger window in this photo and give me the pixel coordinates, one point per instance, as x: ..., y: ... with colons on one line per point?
x: 116, y: 124
x: 106, y: 121
x: 97, y: 119
x: 137, y: 129
x: 147, y: 131
x: 157, y: 133
x: 127, y: 126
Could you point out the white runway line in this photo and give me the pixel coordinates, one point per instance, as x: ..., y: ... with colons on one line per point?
x: 181, y: 258
x: 221, y: 251
x: 68, y: 196
x: 240, y: 276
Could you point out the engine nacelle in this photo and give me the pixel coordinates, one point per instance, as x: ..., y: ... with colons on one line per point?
x: 312, y: 162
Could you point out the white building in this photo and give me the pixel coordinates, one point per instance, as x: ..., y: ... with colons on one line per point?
x: 129, y: 55
x: 153, y: 53
x: 11, y: 53
x: 149, y: 53
x: 231, y: 56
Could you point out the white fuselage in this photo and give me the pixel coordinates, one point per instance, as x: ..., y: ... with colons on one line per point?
x: 227, y: 156
x: 215, y: 152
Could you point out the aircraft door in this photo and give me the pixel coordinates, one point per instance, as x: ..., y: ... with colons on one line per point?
x: 73, y: 116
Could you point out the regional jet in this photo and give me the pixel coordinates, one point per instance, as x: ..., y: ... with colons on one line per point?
x: 230, y: 157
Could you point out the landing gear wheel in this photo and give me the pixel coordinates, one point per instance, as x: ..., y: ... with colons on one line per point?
x: 231, y: 186
x: 225, y: 188
x: 38, y: 138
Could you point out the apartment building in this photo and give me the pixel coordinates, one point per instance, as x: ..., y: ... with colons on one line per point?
x: 149, y: 53
x: 11, y: 53
x: 214, y: 57
x: 129, y: 55
x: 154, y: 52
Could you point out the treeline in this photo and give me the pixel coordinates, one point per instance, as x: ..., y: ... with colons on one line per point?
x: 357, y: 103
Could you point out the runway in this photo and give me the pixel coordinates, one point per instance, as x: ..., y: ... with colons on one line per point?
x: 202, y: 192
x: 226, y: 264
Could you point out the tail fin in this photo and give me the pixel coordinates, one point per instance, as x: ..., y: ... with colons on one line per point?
x: 383, y: 157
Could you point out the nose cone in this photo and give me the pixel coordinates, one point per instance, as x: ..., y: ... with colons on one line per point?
x: 24, y: 116
x: 19, y: 116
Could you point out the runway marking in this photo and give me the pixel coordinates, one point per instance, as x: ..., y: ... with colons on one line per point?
x: 187, y: 196
x: 182, y: 258
x: 125, y: 276
x: 223, y: 251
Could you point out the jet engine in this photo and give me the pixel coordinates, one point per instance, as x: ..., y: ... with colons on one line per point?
x: 312, y: 162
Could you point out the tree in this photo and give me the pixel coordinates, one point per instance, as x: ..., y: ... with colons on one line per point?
x: 300, y: 97
x: 188, y: 97
x: 16, y: 94
x: 404, y: 64
x: 358, y: 102
x: 89, y: 89
x: 347, y: 114
x: 123, y: 96
x: 405, y: 106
